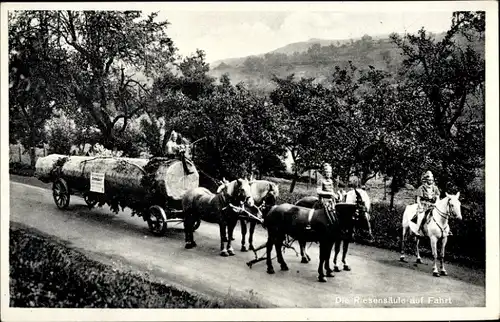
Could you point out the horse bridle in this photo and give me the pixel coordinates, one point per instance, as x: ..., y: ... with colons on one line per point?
x: 443, y: 215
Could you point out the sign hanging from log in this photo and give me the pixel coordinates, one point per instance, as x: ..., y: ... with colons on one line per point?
x: 97, y: 182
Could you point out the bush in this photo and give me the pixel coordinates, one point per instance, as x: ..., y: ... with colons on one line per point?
x: 21, y: 169
x: 44, y: 273
x: 60, y: 133
x: 467, y: 244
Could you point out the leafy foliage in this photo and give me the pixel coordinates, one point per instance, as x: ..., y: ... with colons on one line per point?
x: 397, y: 106
x: 60, y: 133
x: 34, y: 88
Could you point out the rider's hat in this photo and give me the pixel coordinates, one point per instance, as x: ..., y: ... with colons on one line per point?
x: 428, y: 176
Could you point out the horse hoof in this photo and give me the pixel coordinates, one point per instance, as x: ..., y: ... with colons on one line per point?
x: 244, y: 249
x: 336, y: 269
x: 308, y: 258
x: 436, y: 274
x: 402, y: 259
x: 444, y: 273
x: 419, y: 261
x: 232, y: 238
x: 270, y: 271
x: 322, y: 279
x: 251, y: 248
x: 224, y: 253
x: 330, y: 274
x: 230, y: 252
x: 190, y: 245
x: 284, y: 267
x: 304, y: 260
x: 347, y: 268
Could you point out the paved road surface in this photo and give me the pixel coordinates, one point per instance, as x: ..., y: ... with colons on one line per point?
x: 120, y: 239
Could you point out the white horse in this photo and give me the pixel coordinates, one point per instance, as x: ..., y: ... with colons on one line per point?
x: 350, y: 197
x: 436, y: 227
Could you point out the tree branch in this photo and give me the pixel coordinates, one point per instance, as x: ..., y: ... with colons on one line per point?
x: 459, y: 111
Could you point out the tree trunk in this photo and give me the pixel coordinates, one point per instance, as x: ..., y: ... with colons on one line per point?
x: 391, y: 205
x: 294, y: 180
x: 32, y: 148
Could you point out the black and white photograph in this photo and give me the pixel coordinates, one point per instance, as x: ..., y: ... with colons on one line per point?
x: 328, y: 159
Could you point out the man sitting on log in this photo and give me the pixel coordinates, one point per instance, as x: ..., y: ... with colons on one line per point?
x: 174, y: 149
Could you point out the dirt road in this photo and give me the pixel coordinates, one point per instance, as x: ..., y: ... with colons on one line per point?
x: 377, y: 278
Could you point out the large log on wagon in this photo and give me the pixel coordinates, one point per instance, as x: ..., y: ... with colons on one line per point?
x: 141, y: 180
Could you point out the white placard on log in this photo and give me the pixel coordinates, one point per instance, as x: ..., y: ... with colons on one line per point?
x: 97, y: 182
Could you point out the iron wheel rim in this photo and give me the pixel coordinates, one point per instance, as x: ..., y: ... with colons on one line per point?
x: 60, y: 195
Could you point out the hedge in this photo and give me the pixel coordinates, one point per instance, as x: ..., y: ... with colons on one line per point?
x: 467, y: 245
x: 45, y: 273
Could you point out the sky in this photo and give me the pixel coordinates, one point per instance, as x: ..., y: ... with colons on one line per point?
x: 226, y: 34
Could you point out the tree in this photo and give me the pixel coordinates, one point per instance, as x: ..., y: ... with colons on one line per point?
x: 445, y: 72
x: 448, y: 78
x: 172, y: 92
x: 304, y: 107
x: 34, y: 90
x: 105, y: 49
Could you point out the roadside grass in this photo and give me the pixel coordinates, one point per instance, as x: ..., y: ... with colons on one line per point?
x: 46, y: 273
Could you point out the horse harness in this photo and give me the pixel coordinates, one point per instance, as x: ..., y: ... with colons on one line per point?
x: 330, y: 213
x: 445, y: 216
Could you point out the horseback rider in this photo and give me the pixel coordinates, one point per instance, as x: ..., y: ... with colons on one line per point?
x: 325, y: 193
x: 427, y: 195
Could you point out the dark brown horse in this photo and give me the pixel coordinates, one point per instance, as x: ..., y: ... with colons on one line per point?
x: 291, y: 220
x: 350, y: 216
x: 264, y: 194
x: 200, y: 203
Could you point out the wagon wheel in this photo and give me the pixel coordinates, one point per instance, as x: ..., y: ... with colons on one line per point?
x: 90, y: 199
x: 156, y: 220
x: 60, y: 192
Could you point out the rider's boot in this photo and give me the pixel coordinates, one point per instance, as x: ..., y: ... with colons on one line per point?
x: 422, y: 223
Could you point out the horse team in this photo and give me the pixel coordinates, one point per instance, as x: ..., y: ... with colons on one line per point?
x: 305, y: 221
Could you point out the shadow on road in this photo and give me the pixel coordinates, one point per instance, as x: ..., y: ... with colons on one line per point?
x: 426, y: 267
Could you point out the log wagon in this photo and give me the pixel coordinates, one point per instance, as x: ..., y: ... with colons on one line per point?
x: 151, y: 188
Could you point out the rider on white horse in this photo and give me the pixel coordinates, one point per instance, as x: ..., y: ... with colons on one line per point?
x: 427, y: 195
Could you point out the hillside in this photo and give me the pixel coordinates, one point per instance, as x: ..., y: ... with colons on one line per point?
x: 315, y: 58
